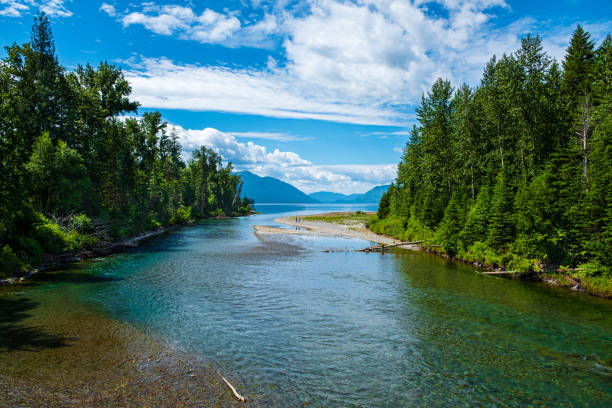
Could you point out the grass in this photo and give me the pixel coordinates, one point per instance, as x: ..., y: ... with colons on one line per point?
x: 345, y: 218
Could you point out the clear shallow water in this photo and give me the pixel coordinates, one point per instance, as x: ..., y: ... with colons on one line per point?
x: 302, y: 327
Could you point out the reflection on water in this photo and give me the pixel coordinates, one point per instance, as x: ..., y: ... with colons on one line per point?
x: 307, y: 327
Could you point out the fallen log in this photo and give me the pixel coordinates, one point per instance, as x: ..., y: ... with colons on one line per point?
x: 238, y: 396
x: 499, y: 272
x: 382, y: 247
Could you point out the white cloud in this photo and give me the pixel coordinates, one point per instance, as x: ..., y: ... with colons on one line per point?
x: 53, y: 8
x: 392, y: 55
x: 207, y: 27
x: 238, y: 153
x: 363, y: 62
x: 13, y: 8
x: 345, y: 179
x: 274, y: 136
x: 161, y: 84
x: 108, y: 9
x: 287, y: 166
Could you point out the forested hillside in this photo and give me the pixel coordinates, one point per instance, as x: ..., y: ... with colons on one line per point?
x: 74, y: 172
x: 516, y: 172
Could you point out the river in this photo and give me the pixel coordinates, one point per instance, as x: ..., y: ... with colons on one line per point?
x: 298, y: 326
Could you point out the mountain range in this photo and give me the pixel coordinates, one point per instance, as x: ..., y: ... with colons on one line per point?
x: 370, y: 196
x: 272, y: 190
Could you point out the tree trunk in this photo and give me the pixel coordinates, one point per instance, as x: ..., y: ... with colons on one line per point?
x: 584, y: 134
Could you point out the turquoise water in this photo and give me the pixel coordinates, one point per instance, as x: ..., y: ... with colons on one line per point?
x: 303, y: 327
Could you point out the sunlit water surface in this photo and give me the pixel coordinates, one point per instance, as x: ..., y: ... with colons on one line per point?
x: 304, y: 327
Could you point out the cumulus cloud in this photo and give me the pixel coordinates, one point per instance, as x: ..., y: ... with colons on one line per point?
x: 54, y: 8
x: 395, y: 51
x: 206, y: 27
x: 372, y: 76
x: 287, y: 166
x: 238, y: 153
x: 161, y: 84
x: 108, y: 9
x: 345, y: 179
x: 15, y: 8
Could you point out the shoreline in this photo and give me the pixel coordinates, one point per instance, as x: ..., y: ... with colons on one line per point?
x: 359, y: 230
x: 58, y: 351
x: 105, y: 249
x: 307, y: 227
x: 55, y: 351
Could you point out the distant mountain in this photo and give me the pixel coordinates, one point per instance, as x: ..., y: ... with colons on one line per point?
x: 327, y: 197
x: 374, y: 195
x: 371, y: 196
x: 271, y: 190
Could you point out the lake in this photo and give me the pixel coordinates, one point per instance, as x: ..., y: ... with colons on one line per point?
x: 302, y: 327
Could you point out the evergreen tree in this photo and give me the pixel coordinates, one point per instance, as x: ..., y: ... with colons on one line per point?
x: 477, y: 219
x: 501, y: 223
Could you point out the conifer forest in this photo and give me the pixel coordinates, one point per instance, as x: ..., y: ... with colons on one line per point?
x: 515, y: 173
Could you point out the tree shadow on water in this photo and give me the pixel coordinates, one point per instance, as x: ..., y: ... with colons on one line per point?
x: 70, y: 276
x: 14, y: 335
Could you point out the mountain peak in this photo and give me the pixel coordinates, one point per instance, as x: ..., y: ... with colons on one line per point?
x: 271, y: 190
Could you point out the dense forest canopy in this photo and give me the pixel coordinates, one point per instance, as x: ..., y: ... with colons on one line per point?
x: 517, y: 171
x: 75, y: 172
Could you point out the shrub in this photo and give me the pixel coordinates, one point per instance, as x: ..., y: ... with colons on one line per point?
x: 30, y: 249
x: 51, y: 237
x: 81, y: 223
x: 9, y: 263
x: 151, y: 224
x: 75, y: 240
x: 479, y: 251
x: 593, y: 269
x: 518, y: 263
x: 182, y: 215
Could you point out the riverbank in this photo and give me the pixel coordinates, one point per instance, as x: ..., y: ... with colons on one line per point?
x: 350, y: 228
x: 354, y: 225
x: 102, y: 249
x: 56, y: 352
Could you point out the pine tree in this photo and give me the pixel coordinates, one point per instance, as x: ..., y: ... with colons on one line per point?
x: 578, y: 67
x: 501, y: 223
x: 477, y: 219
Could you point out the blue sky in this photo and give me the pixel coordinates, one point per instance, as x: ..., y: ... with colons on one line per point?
x: 319, y: 93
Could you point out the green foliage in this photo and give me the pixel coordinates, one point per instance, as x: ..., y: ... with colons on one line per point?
x: 181, y: 216
x: 81, y: 223
x: 9, y: 263
x: 450, y: 227
x: 348, y: 218
x: 477, y: 219
x: 383, y: 206
x: 405, y: 229
x: 58, y: 177
x: 594, y: 268
x: 516, y: 172
x: 67, y: 155
x: 51, y: 237
x: 483, y: 253
x: 501, y: 223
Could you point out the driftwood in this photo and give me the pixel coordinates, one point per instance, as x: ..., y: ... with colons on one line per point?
x: 238, y: 396
x: 499, y: 272
x: 382, y: 247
